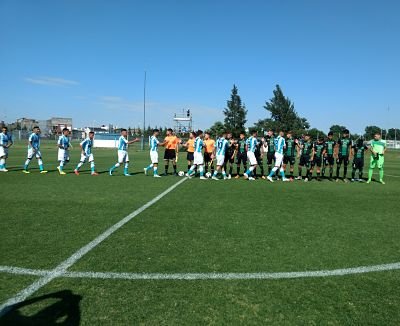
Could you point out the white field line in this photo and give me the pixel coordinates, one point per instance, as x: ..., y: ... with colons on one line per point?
x: 63, y: 266
x: 207, y: 276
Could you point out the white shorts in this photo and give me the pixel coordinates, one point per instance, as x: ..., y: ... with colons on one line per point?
x: 198, y: 158
x: 252, y: 158
x: 220, y: 160
x: 31, y: 154
x: 63, y: 154
x: 85, y: 157
x: 3, y: 151
x: 154, y: 157
x: 123, y: 156
x: 278, y: 159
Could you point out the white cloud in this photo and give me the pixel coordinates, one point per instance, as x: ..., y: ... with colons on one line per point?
x: 51, y: 81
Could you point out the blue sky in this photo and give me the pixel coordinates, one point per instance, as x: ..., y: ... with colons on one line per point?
x: 337, y: 60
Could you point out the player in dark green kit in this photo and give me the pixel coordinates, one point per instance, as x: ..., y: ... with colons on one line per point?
x: 344, y: 154
x: 358, y: 162
x: 241, y: 154
x: 329, y: 156
x: 306, y: 157
x: 319, y: 151
x: 270, y: 142
x: 230, y: 154
x: 289, y: 154
x: 259, y: 154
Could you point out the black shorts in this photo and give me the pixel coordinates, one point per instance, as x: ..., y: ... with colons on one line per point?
x: 241, y: 158
x: 329, y: 160
x: 342, y: 159
x: 207, y: 157
x: 169, y: 154
x: 317, y: 161
x: 305, y: 161
x: 270, y: 158
x: 190, y: 156
x: 289, y: 160
x: 228, y: 158
x: 358, y: 163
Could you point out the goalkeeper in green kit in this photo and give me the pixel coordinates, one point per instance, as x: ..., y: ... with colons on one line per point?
x: 378, y: 149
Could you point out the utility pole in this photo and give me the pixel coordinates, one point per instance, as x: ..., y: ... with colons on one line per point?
x: 144, y: 109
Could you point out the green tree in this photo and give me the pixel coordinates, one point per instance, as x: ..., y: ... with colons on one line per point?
x: 337, y: 130
x: 283, y: 114
x: 235, y: 113
x: 393, y: 133
x: 315, y: 133
x: 216, y: 129
x: 370, y: 131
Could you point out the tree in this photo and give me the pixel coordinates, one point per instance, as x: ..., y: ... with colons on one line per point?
x: 393, y: 133
x: 283, y: 114
x: 315, y: 133
x: 337, y: 129
x: 370, y: 131
x: 216, y: 129
x: 235, y: 113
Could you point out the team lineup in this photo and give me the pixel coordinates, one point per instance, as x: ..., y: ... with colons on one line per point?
x: 216, y: 159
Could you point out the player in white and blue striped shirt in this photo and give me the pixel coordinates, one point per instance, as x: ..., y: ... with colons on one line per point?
x: 251, y: 146
x: 279, y: 147
x: 219, y: 152
x: 5, y: 143
x: 34, y: 150
x: 198, y: 157
x: 86, y: 154
x: 123, y: 157
x: 63, y: 150
x: 154, y: 143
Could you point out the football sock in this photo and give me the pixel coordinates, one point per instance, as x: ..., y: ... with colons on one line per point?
x: 381, y: 174
x: 174, y: 168
x: 92, y: 167
x: 166, y: 168
x: 370, y: 171
x: 155, y: 170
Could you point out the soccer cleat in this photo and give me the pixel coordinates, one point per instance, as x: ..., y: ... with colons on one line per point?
x: 214, y: 178
x: 237, y: 176
x: 382, y: 182
x: 246, y: 176
x: 337, y: 179
x: 306, y: 180
x: 263, y: 177
x: 157, y: 176
x: 164, y: 174
x: 62, y: 173
x: 270, y: 179
x: 176, y: 174
x: 368, y: 181
x: 43, y: 172
x: 110, y: 172
x: 127, y: 175
x: 251, y: 179
x: 76, y: 172
x: 145, y: 171
x: 345, y: 180
x: 203, y: 178
x: 25, y: 171
x: 285, y: 180
x: 3, y: 170
x: 353, y: 180
x: 298, y: 178
x: 94, y: 173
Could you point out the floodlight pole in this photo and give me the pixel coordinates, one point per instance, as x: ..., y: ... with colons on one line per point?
x: 144, y: 109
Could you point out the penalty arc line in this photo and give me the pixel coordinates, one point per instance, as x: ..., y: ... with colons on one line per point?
x: 207, y: 276
x: 61, y: 269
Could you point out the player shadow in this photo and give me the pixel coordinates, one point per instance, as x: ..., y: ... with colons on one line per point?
x: 61, y: 308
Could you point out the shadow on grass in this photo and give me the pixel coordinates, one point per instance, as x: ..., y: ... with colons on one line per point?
x: 58, y: 308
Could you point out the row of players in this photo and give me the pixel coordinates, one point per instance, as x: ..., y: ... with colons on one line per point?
x: 280, y: 150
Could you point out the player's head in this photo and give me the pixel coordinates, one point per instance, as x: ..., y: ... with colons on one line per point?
x: 36, y: 130
x: 65, y: 131
x: 346, y: 133
x: 91, y: 134
x: 4, y: 129
x: 124, y: 132
x: 321, y: 139
x: 192, y: 135
x: 270, y: 132
x: 254, y: 133
x: 199, y: 133
x: 289, y: 134
x: 377, y: 136
x: 242, y: 135
x: 169, y: 132
x: 228, y: 135
x: 360, y: 142
x: 156, y: 132
x: 330, y: 135
x: 206, y: 135
x: 307, y: 137
x: 281, y: 133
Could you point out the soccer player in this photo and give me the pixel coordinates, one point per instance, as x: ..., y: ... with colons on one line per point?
x: 5, y: 143
x: 251, y: 146
x: 154, y: 143
x: 306, y: 157
x: 344, y: 154
x: 230, y: 154
x: 289, y: 156
x: 241, y: 156
x: 123, y: 157
x: 259, y: 154
x: 190, y: 149
x: 198, y: 157
x: 209, y: 146
x: 378, y: 150
x: 329, y: 156
x: 63, y: 150
x: 270, y: 139
x: 220, y: 149
x: 86, y: 154
x: 279, y: 147
x: 318, y: 154
x: 34, y: 150
x: 171, y: 150
x: 359, y: 149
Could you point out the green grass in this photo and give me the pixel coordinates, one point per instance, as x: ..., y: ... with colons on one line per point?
x: 200, y: 227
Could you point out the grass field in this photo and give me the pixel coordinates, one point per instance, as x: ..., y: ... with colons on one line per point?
x: 228, y: 252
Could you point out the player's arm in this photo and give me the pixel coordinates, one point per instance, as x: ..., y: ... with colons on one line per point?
x: 372, y: 150
x: 336, y: 150
x: 312, y: 153
x: 133, y: 141
x: 10, y: 143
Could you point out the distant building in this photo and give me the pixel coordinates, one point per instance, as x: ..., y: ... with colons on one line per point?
x: 23, y: 124
x: 55, y: 126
